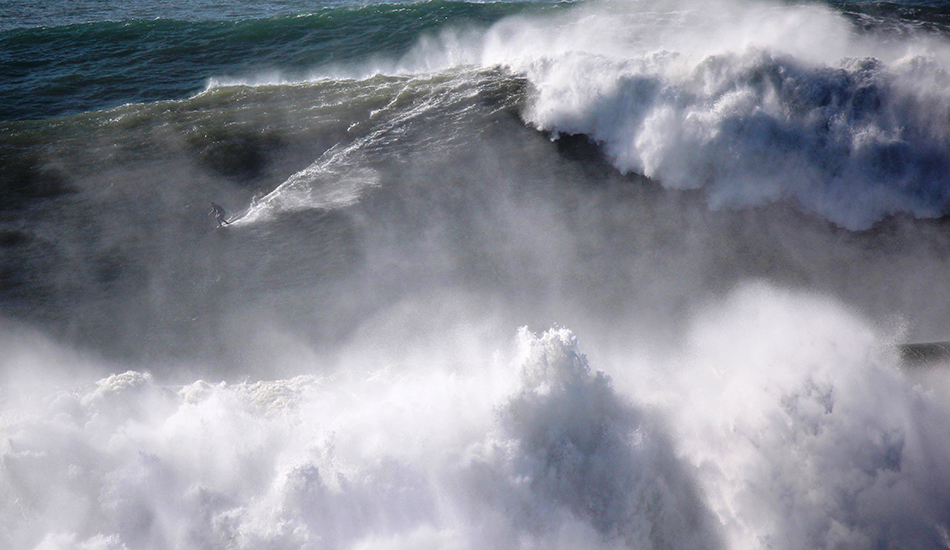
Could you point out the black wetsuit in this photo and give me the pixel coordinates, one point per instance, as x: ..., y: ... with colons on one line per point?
x: 219, y: 214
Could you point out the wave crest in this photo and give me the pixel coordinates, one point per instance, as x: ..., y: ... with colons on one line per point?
x: 854, y: 141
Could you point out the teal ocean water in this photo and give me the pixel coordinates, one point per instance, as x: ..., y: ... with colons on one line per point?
x: 56, y: 64
x: 588, y: 275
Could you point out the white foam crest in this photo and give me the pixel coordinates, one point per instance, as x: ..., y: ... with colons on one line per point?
x: 395, y: 460
x: 451, y: 48
x: 782, y: 422
x: 803, y: 433
x: 575, y: 445
x: 339, y: 462
x: 752, y: 101
x: 274, y: 78
x: 755, y: 102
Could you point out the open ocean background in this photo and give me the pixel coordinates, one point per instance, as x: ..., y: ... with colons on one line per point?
x: 500, y: 275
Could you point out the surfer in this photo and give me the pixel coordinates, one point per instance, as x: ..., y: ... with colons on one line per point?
x: 219, y: 214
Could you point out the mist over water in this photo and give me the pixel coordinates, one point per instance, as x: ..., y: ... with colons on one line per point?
x: 585, y: 276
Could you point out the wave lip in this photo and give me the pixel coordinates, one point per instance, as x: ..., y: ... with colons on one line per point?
x: 849, y: 132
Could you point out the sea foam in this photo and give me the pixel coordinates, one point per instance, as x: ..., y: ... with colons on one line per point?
x: 781, y: 422
x: 752, y: 102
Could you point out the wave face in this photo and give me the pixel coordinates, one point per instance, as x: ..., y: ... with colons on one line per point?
x: 589, y: 275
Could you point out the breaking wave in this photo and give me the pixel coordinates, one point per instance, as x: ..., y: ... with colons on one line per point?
x: 736, y: 208
x: 754, y: 439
